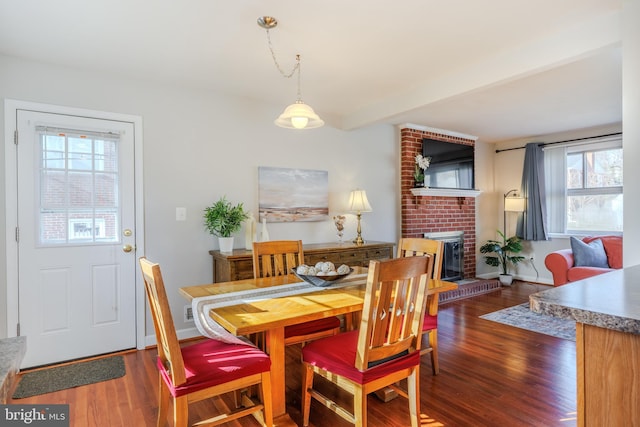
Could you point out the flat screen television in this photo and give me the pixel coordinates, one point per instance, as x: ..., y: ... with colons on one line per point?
x: 452, y: 165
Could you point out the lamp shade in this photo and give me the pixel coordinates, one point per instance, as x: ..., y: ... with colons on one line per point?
x: 358, y: 201
x: 514, y: 204
x: 299, y: 116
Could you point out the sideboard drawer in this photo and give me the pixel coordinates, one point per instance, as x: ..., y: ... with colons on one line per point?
x: 353, y: 258
x: 313, y: 259
x: 381, y: 253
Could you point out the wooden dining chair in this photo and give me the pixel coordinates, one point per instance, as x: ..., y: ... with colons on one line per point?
x: 202, y: 370
x: 383, y: 351
x: 277, y: 258
x: 410, y: 246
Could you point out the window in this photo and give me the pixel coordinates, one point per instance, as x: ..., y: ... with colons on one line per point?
x: 584, y: 187
x: 78, y: 187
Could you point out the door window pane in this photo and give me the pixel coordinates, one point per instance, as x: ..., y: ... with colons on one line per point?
x: 79, y: 197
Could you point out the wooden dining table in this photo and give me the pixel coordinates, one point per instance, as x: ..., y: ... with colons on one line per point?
x: 272, y: 315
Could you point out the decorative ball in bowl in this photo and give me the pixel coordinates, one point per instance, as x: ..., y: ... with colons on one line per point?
x: 322, y: 274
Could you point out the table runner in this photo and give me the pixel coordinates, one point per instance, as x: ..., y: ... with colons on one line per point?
x: 208, y: 327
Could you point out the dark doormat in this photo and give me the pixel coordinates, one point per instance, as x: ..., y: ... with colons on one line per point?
x: 68, y: 376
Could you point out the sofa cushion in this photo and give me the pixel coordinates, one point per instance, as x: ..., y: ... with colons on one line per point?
x: 590, y: 254
x: 613, y: 248
x: 578, y: 273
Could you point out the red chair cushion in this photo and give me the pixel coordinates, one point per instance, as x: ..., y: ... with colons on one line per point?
x: 212, y: 362
x: 430, y: 322
x: 337, y: 354
x: 311, y: 327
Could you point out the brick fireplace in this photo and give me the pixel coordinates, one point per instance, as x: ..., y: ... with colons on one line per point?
x: 434, y: 213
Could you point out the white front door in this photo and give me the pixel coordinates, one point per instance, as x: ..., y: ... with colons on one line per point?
x: 76, y: 236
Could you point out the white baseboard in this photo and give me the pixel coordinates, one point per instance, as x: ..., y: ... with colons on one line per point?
x: 534, y: 279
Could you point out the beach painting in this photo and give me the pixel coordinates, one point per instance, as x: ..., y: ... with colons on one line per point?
x: 289, y: 195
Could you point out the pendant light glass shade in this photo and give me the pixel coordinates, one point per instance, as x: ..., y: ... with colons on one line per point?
x: 299, y: 116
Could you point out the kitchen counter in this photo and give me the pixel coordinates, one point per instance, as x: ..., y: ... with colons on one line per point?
x: 606, y: 309
x: 610, y: 301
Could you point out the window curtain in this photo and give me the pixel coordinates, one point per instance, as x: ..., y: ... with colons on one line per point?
x: 532, y: 222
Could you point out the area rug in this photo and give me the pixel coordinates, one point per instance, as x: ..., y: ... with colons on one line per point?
x: 521, y: 317
x: 68, y: 376
x: 470, y: 289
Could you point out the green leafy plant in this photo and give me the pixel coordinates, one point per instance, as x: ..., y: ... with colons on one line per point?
x: 223, y: 219
x: 505, y: 252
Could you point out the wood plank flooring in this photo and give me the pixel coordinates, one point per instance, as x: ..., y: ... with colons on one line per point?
x: 490, y: 375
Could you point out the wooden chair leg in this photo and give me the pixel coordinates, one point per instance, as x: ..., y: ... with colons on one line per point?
x: 180, y: 411
x: 360, y: 407
x: 307, y: 385
x: 266, y: 394
x: 433, y: 342
x: 164, y: 398
x: 414, y: 396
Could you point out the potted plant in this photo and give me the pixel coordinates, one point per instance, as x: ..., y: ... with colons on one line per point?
x: 505, y: 253
x: 222, y: 219
x: 422, y: 163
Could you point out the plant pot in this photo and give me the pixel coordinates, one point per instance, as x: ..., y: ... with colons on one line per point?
x: 226, y: 244
x: 506, y: 279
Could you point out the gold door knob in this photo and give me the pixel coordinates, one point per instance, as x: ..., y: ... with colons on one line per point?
x: 127, y: 248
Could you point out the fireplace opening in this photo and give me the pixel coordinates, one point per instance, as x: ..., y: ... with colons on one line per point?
x: 453, y: 257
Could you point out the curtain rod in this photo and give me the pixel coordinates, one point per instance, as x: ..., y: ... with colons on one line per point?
x: 562, y: 142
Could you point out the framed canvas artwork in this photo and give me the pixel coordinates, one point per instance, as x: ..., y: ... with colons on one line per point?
x: 288, y: 195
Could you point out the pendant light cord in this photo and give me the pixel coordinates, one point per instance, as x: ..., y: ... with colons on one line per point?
x: 275, y: 61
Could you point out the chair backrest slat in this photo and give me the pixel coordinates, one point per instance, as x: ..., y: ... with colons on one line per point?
x: 415, y: 246
x: 168, y: 345
x: 276, y: 257
x: 393, y: 310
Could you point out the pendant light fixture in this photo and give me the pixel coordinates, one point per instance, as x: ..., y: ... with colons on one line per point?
x: 297, y: 115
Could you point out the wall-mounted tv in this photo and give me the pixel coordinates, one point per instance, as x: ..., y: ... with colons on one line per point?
x: 452, y: 165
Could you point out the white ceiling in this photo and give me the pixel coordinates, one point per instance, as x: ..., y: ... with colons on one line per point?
x: 496, y: 69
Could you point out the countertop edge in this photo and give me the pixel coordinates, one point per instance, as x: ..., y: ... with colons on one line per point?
x: 537, y: 304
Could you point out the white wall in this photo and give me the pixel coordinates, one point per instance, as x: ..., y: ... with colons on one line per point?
x: 486, y: 204
x: 199, y: 146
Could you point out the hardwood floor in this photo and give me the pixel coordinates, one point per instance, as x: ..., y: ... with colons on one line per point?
x: 490, y: 375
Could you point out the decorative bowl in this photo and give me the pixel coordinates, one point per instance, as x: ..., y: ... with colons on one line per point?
x: 321, y: 281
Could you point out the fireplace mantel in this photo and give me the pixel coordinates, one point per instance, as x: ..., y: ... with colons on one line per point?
x: 444, y: 192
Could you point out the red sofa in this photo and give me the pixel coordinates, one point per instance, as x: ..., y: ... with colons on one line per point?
x: 560, y: 263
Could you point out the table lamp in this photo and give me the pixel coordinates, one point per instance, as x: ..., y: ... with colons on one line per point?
x: 359, y: 203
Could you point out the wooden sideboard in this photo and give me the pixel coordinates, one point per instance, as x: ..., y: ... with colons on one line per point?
x: 238, y: 265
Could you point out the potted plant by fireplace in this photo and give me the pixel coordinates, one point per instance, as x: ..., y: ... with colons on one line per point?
x: 421, y: 165
x: 222, y: 219
x: 504, y: 254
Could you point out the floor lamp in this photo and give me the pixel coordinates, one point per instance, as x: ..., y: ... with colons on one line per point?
x: 359, y: 203
x: 512, y: 203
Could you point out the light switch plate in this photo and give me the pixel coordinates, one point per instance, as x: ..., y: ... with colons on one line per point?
x: 181, y: 214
